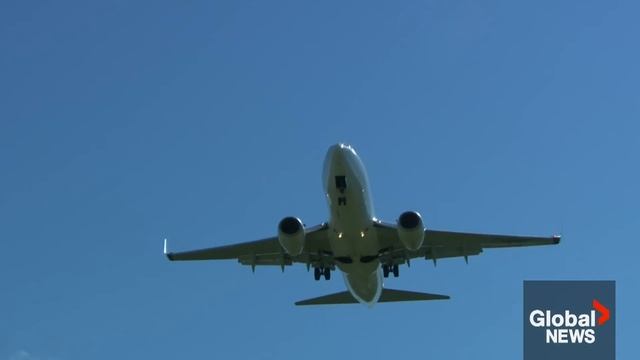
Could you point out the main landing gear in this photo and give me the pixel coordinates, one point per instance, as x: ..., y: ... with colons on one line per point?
x: 319, y: 272
x: 386, y: 269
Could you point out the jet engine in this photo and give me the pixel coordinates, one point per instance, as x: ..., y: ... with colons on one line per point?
x: 411, y: 230
x: 291, y: 235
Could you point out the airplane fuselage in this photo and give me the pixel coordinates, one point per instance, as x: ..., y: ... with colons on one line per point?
x: 352, y: 235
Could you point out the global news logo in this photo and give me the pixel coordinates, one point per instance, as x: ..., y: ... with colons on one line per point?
x: 569, y: 320
x: 570, y: 328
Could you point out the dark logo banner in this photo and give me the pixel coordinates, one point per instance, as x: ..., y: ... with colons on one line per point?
x: 569, y: 320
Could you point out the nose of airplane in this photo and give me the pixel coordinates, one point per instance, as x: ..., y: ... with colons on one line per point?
x: 337, y: 152
x: 339, y: 149
x: 336, y: 156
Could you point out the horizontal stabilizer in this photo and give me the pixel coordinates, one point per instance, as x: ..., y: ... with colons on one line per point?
x: 344, y: 297
x: 388, y: 295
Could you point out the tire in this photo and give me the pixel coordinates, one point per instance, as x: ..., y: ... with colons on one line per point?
x: 396, y: 271
x: 385, y: 270
x: 316, y: 273
x: 327, y: 273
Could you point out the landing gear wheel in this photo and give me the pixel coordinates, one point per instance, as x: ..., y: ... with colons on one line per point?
x: 396, y: 270
x: 316, y: 273
x: 385, y: 270
x: 327, y: 273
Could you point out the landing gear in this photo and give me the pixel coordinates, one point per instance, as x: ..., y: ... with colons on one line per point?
x: 320, y: 272
x: 386, y: 269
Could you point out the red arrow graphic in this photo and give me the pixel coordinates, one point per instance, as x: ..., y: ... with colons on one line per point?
x: 604, y: 317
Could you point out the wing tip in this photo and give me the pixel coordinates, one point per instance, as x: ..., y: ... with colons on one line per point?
x: 166, y: 252
x: 556, y: 239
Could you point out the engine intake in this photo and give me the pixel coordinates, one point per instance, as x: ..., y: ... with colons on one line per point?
x: 291, y: 235
x: 411, y: 230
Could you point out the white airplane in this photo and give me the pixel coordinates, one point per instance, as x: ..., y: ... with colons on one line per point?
x: 355, y: 242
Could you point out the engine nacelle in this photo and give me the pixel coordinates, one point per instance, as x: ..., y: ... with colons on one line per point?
x: 411, y: 230
x: 291, y: 235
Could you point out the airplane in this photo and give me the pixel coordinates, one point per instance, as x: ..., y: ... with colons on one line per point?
x: 364, y: 248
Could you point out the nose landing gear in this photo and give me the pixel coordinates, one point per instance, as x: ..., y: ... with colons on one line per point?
x: 319, y: 272
x: 386, y: 269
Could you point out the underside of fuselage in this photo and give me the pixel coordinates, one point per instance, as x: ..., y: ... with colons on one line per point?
x: 366, y: 288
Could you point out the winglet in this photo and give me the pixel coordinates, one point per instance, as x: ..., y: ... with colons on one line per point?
x: 167, y: 253
x: 556, y: 239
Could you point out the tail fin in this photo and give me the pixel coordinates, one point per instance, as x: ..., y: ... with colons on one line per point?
x: 388, y: 295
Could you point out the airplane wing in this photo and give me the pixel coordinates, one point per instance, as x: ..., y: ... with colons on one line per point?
x: 444, y: 244
x: 317, y: 251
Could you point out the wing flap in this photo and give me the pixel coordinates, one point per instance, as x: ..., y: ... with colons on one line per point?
x: 265, y: 259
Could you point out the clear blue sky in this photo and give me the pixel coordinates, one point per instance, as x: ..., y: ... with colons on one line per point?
x: 207, y: 122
